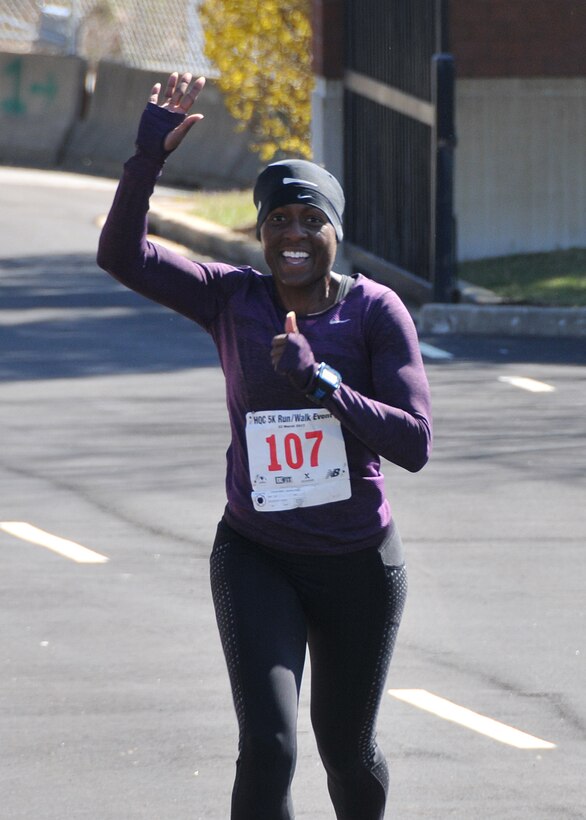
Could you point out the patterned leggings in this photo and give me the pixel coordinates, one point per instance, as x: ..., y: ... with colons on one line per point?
x: 269, y: 606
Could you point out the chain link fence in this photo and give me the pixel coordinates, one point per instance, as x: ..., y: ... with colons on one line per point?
x: 159, y: 35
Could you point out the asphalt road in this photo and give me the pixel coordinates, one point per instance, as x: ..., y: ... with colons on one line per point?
x: 114, y: 698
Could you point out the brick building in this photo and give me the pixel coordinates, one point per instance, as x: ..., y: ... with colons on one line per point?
x: 519, y: 38
x: 520, y: 162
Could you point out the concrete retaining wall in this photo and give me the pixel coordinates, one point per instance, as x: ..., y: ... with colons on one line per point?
x: 520, y: 162
x: 40, y: 99
x: 48, y: 120
x: 213, y: 154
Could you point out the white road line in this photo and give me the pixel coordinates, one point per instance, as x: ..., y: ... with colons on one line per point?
x: 434, y: 352
x: 527, y: 384
x: 471, y: 720
x: 68, y: 549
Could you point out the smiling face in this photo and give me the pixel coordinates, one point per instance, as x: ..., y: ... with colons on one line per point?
x: 299, y: 244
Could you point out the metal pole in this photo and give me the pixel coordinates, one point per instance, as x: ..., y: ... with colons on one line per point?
x: 442, y: 26
x: 444, y: 252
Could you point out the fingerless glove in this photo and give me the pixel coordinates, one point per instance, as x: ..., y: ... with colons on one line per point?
x: 298, y: 361
x: 155, y: 124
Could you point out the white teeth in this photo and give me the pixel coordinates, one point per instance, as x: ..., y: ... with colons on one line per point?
x: 296, y: 254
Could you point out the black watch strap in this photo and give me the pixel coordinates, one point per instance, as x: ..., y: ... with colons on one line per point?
x: 324, y: 384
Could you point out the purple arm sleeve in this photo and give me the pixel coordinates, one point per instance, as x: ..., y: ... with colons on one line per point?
x: 146, y: 267
x: 397, y: 423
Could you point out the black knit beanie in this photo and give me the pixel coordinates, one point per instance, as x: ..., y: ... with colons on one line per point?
x: 301, y: 182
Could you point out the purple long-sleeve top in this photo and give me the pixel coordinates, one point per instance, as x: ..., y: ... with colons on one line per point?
x: 383, y: 403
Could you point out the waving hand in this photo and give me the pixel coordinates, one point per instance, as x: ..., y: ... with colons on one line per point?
x: 179, y: 96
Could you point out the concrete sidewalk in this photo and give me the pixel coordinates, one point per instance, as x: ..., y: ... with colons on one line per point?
x: 480, y: 313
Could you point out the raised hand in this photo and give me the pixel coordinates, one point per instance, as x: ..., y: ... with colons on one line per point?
x: 292, y: 355
x: 280, y: 341
x: 179, y: 96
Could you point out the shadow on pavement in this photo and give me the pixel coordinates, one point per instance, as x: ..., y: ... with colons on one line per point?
x: 63, y: 317
x: 523, y: 349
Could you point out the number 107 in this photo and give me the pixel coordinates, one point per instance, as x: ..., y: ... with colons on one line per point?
x: 293, y: 450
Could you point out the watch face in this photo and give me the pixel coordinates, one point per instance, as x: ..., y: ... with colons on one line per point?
x: 330, y: 377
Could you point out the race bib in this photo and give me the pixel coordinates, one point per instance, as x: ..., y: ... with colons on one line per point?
x: 297, y: 458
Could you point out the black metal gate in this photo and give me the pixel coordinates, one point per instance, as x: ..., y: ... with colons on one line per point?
x: 398, y: 145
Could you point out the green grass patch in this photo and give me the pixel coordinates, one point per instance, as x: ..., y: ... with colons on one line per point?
x: 232, y: 209
x: 557, y: 278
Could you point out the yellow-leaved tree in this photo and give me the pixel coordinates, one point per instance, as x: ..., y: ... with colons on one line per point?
x: 263, y: 55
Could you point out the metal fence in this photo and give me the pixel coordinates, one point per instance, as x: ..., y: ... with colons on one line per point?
x: 159, y: 35
x: 398, y: 194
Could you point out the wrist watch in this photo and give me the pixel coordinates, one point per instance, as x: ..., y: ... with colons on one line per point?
x: 325, y: 382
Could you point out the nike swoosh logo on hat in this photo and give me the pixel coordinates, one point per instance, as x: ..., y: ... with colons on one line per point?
x: 337, y: 321
x: 291, y: 181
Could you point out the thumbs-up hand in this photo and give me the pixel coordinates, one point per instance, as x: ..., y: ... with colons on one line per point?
x: 291, y: 322
x: 280, y: 341
x: 292, y: 355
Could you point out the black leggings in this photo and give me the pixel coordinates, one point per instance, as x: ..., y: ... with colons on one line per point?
x: 347, y: 608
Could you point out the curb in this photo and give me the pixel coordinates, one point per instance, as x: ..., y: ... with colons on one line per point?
x: 206, y: 238
x: 502, y: 320
x: 483, y: 314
